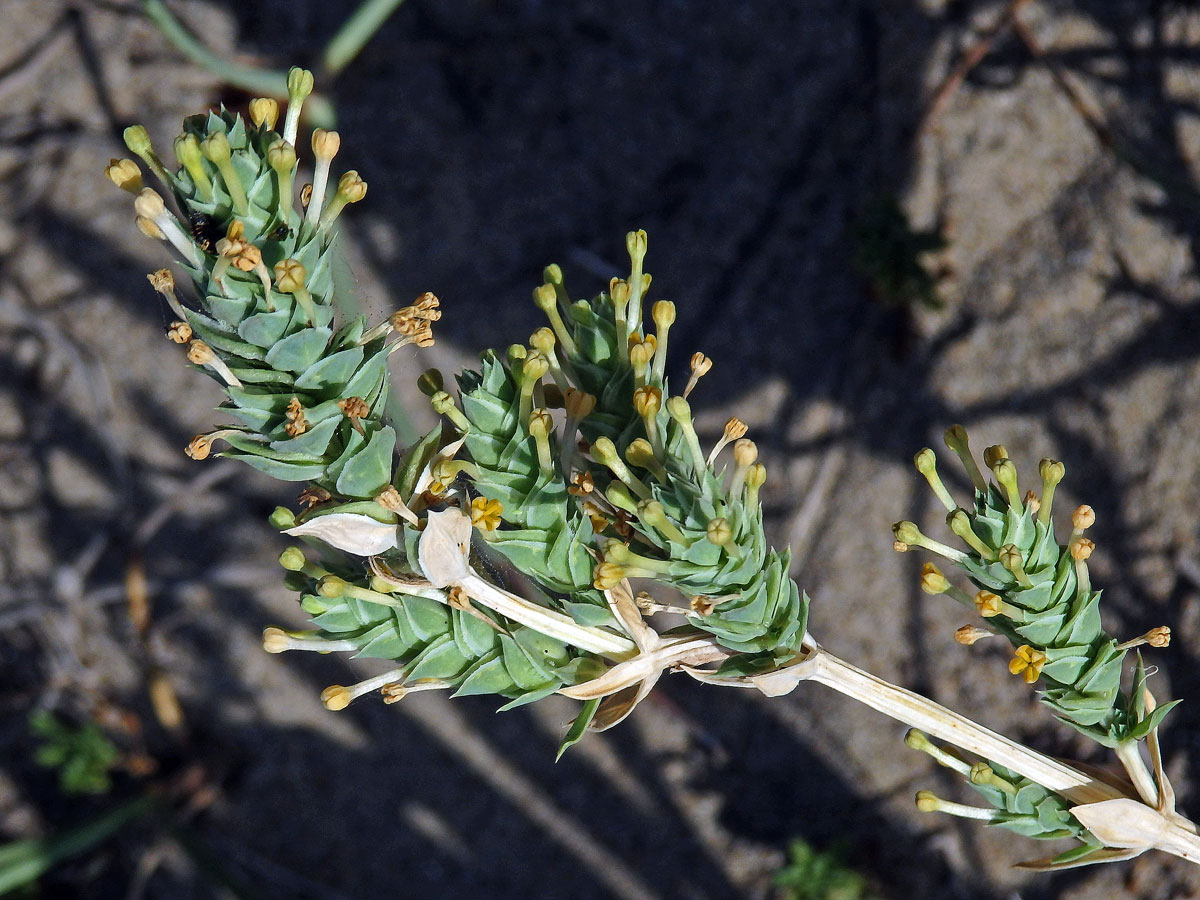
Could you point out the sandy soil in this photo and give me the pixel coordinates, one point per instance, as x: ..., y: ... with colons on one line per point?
x: 749, y: 140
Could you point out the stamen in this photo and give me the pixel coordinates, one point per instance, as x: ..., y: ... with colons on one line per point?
x: 125, y: 174
x: 299, y: 86
x: 540, y: 425
x: 618, y: 293
x: 355, y: 409
x: 389, y: 498
x: 276, y: 640
x: 929, y: 802
x: 663, y: 313
x: 336, y: 697
x: 681, y: 412
x: 700, y: 364
x: 164, y: 282
x: 605, y: 453
x: 137, y: 139
x: 993, y: 455
x: 1052, y: 472
x: 191, y: 157
x: 200, y: 354
x: 959, y: 522
x: 1156, y: 637
x: 639, y: 453
x: 654, y: 514
x: 909, y: 534
x: 543, y: 341
x: 533, y: 369
x: 1012, y: 559
x: 646, y: 403
x: 325, y: 145
x: 745, y: 454
x: 264, y: 112
x: 149, y: 206
x: 926, y: 463
x: 201, y: 445
x: 968, y: 635
x: 919, y: 740
x: 289, y: 279
x: 350, y: 189
x: 640, y: 353
x: 296, y: 423
x: 957, y: 441
x: 982, y: 773
x: 444, y: 405
x: 990, y: 605
x: 216, y: 148
x: 635, y: 243
x: 545, y: 298
x: 735, y: 429
x: 720, y: 532
x: 281, y: 157
x: 394, y: 693
x: 1006, y: 473
x: 756, y: 477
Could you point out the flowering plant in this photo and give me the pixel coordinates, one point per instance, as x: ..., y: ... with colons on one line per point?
x: 499, y: 553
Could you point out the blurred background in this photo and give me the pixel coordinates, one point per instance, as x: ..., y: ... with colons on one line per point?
x: 878, y: 217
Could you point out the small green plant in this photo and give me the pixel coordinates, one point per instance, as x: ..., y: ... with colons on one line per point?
x: 812, y: 874
x: 570, y: 459
x: 893, y: 257
x: 83, y: 755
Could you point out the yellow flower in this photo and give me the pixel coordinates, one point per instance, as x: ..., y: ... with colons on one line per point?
x: 485, y: 513
x: 1027, y: 662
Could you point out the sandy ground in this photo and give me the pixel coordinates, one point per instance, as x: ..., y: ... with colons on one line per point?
x: 748, y: 139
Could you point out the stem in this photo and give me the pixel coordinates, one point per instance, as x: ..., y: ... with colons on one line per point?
x: 548, y: 622
x: 1131, y: 759
x: 949, y: 726
x: 354, y: 34
x: 265, y: 82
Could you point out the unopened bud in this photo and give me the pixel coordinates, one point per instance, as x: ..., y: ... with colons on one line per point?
x: 264, y: 112
x: 125, y: 174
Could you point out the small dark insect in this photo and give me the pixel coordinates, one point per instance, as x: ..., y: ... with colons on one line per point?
x: 279, y: 233
x: 206, y: 230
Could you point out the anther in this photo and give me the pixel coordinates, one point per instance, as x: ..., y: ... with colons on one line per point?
x: 990, y: 604
x: 179, y: 332
x: 296, y: 423
x: 264, y: 112
x: 735, y: 429
x: 125, y: 174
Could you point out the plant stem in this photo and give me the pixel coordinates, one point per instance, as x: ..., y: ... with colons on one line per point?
x: 354, y: 34
x: 1131, y: 759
